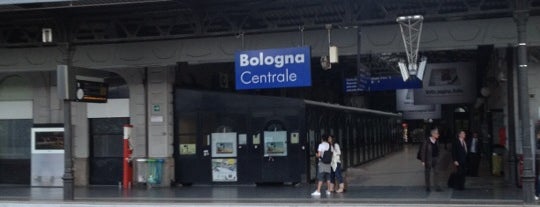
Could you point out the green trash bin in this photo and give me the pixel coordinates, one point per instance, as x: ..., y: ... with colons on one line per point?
x: 155, y: 171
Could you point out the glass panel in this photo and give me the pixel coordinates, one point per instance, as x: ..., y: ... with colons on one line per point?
x: 15, y: 139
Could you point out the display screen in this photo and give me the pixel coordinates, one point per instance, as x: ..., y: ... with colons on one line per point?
x: 49, y: 140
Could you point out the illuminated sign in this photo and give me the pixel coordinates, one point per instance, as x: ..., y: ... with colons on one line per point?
x: 90, y: 91
x: 273, y: 68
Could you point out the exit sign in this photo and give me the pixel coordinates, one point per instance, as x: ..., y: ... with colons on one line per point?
x: 155, y: 107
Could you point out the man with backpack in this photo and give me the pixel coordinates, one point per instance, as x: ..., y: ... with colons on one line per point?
x: 324, y: 153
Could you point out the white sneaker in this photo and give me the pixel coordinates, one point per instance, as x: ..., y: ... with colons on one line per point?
x: 535, y: 197
x: 316, y: 193
x: 328, y: 192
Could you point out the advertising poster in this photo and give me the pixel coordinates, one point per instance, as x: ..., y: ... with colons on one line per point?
x: 447, y: 83
x: 405, y: 104
x: 275, y: 143
x: 224, y: 170
x: 47, y: 140
x: 224, y: 144
x: 188, y: 149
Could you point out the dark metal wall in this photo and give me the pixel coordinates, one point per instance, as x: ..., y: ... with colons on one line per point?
x: 364, y: 136
x: 199, y: 114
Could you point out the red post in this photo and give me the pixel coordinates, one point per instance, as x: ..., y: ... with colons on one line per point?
x: 127, y: 168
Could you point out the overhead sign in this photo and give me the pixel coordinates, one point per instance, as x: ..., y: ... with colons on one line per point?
x: 353, y: 85
x: 385, y: 83
x: 273, y: 68
x: 381, y: 83
x: 80, y: 84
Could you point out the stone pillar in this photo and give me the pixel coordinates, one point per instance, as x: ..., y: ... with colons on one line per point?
x: 160, y: 123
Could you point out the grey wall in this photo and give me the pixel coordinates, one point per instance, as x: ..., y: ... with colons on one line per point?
x: 376, y: 39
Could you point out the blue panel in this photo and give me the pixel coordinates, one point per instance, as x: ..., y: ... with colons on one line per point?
x: 383, y: 83
x: 273, y: 68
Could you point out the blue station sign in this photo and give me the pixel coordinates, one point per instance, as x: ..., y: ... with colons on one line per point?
x: 273, y: 68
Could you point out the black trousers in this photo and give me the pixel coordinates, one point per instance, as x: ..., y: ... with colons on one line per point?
x: 473, y: 159
x: 460, y: 177
x: 432, y: 169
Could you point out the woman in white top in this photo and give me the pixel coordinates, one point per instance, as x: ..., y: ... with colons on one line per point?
x: 336, y: 166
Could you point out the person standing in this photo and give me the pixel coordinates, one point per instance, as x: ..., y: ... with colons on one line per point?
x: 324, y: 169
x: 429, y: 155
x: 459, y: 156
x: 336, y: 166
x: 474, y: 154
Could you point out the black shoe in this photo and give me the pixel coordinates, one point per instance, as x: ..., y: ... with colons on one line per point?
x: 428, y: 189
x: 439, y: 190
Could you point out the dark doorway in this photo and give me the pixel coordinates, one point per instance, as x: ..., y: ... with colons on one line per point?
x: 105, y: 160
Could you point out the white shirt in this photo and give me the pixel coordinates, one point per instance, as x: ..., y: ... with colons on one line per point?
x: 324, y: 146
x: 473, y: 144
x: 336, y: 156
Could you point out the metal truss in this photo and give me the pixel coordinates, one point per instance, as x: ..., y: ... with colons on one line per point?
x: 90, y: 22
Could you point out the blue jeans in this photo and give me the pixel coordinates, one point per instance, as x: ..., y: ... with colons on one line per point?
x: 336, y: 174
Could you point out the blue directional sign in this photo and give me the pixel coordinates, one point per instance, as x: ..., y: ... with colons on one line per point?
x: 386, y: 83
x: 381, y: 83
x: 273, y: 68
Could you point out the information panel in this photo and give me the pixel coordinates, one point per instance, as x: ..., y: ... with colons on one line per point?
x: 224, y: 144
x: 275, y: 143
x: 91, y: 91
x: 47, y: 161
x: 273, y: 68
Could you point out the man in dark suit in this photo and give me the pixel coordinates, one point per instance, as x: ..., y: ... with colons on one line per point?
x: 429, y: 155
x: 474, y: 154
x: 459, y: 156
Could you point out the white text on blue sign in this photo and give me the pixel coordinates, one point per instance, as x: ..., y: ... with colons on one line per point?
x: 273, y: 68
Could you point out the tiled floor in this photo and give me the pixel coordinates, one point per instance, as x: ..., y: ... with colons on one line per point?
x: 397, y: 178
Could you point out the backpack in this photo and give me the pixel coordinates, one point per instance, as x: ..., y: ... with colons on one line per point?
x: 327, y: 156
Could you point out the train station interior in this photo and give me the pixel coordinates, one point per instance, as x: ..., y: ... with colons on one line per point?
x: 148, y: 95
